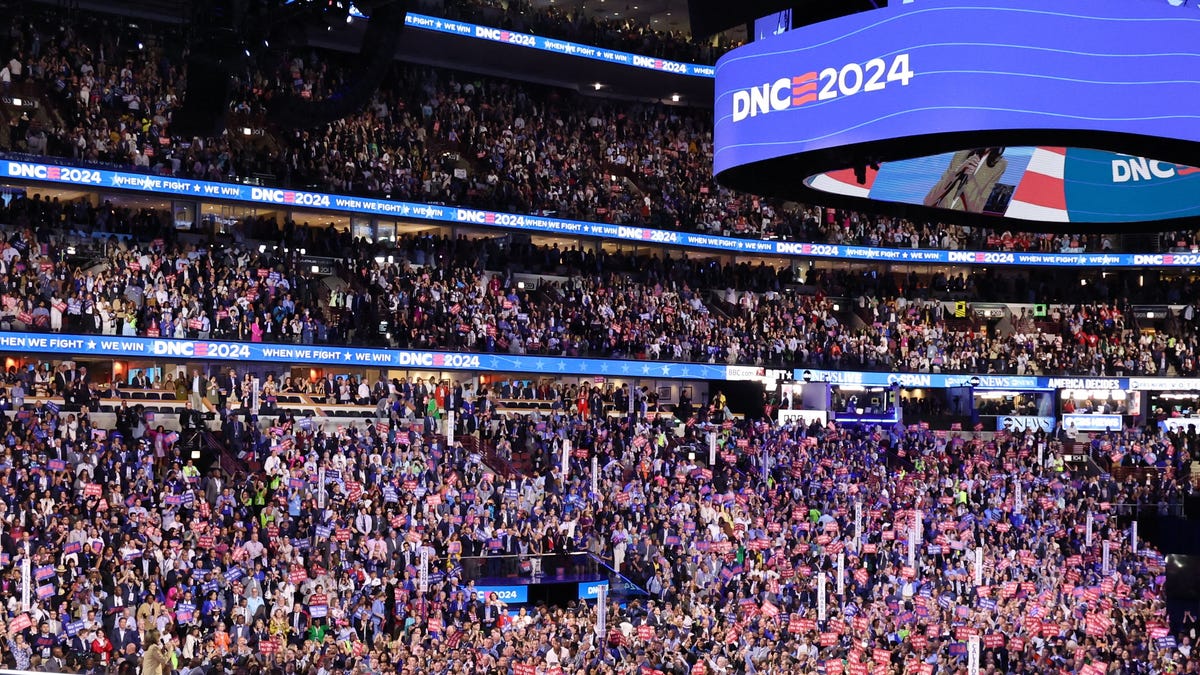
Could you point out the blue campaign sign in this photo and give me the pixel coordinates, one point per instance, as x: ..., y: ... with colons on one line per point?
x: 179, y: 188
x: 513, y: 595
x: 461, y: 28
x: 96, y: 345
x: 589, y: 590
x: 1113, y: 70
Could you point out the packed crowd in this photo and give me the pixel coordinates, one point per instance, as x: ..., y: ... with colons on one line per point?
x: 428, y: 136
x: 590, y: 28
x: 802, y: 566
x: 497, y: 296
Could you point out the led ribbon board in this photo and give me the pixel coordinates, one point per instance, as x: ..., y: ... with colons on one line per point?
x: 962, y: 109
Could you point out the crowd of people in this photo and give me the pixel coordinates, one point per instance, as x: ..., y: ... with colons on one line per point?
x: 815, y: 549
x: 494, y: 295
x: 111, y: 92
x: 138, y: 559
x: 587, y: 27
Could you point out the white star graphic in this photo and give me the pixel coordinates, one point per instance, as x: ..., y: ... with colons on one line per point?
x: 196, y: 188
x: 540, y: 364
x: 666, y: 370
x: 347, y: 356
x: 624, y: 367
x: 645, y: 370
x: 91, y: 344
x: 562, y: 365
x: 604, y: 367
x: 492, y: 362
x: 686, y: 371
x: 583, y: 366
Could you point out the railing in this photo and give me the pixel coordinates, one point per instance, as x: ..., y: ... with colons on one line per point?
x: 553, y: 566
x: 1140, y: 510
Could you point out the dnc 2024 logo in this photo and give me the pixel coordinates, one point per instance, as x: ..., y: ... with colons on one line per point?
x: 800, y: 90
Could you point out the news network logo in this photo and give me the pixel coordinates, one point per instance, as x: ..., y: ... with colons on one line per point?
x: 784, y: 93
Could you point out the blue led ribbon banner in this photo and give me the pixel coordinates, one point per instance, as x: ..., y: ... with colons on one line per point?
x: 55, y: 176
x: 948, y: 76
x: 461, y: 28
x: 111, y: 346
x: 339, y: 355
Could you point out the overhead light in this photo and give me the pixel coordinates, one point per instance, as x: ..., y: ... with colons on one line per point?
x: 675, y: 98
x: 262, y: 248
x: 246, y: 131
x: 17, y: 102
x: 596, y: 86
x: 316, y: 269
x: 349, y: 19
x: 141, y: 46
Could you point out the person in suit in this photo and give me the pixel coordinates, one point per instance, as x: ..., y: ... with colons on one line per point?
x: 969, y: 180
x: 156, y: 660
x: 240, y: 630
x: 230, y: 390
x: 197, y: 389
x: 62, y: 379
x: 123, y: 635
x: 190, y: 418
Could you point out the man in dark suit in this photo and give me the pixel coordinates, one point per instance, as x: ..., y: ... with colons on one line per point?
x: 228, y: 389
x: 190, y: 419
x: 62, y: 379
x: 123, y: 635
